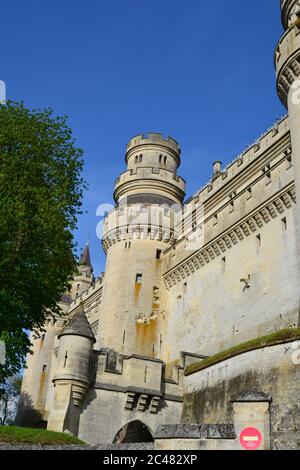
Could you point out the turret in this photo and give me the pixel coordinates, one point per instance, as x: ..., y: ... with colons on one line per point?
x: 152, y: 164
x: 135, y: 235
x: 75, y: 348
x: 72, y: 376
x: 287, y: 63
x: 84, y: 278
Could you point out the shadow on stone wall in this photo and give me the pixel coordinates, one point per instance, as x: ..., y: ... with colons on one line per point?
x: 27, y: 415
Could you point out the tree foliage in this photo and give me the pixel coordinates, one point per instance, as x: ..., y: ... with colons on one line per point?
x: 41, y: 188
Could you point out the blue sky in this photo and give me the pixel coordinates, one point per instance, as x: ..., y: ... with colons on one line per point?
x: 199, y: 71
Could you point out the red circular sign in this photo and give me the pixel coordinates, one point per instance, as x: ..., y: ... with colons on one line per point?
x: 251, y: 438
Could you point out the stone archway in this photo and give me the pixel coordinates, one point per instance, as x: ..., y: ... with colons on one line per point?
x: 133, y: 432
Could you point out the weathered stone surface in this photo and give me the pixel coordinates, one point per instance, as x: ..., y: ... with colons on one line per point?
x: 115, y: 447
x: 194, y: 431
x: 251, y: 396
x: 162, y: 294
x: 267, y: 375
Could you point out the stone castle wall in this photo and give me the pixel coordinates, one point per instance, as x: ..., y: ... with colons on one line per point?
x: 268, y: 373
x: 213, y: 310
x: 102, y: 426
x: 204, y: 276
x: 226, y: 291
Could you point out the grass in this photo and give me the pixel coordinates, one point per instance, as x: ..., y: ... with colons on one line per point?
x: 283, y: 336
x: 18, y: 435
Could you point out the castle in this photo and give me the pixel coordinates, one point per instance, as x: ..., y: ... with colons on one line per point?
x: 166, y: 345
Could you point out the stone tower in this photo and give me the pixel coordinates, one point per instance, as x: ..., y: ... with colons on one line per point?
x: 287, y: 62
x: 136, y: 232
x: 72, y: 376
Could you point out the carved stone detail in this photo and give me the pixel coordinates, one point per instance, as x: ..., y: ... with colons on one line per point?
x: 79, y: 391
x: 130, y: 401
x: 142, y: 402
x: 154, y: 405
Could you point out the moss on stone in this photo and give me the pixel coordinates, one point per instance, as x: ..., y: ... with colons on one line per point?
x: 279, y: 337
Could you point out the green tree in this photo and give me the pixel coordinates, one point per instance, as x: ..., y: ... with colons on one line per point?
x: 41, y: 189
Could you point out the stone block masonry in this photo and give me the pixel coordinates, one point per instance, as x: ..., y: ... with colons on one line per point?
x: 186, y: 281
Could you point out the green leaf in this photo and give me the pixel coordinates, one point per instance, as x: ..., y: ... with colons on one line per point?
x: 41, y: 189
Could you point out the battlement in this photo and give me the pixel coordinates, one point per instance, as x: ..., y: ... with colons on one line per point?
x: 133, y: 216
x: 150, y: 172
x: 251, y: 154
x: 150, y: 180
x: 137, y: 375
x: 153, y: 139
x: 138, y: 223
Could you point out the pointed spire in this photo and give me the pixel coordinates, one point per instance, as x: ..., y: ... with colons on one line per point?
x: 85, y: 259
x: 78, y: 325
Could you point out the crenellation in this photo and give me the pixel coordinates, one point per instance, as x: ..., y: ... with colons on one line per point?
x: 150, y: 180
x: 153, y: 138
x: 148, y: 172
x: 232, y: 170
x: 253, y: 180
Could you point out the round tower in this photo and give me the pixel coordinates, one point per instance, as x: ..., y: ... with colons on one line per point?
x: 72, y: 376
x: 135, y: 235
x: 151, y: 176
x: 287, y: 63
x: 76, y: 342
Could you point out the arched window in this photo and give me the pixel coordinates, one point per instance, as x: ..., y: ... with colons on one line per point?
x: 141, y: 158
x: 136, y: 159
x: 160, y: 158
x: 165, y: 160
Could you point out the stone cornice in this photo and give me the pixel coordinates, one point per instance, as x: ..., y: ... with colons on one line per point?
x: 138, y: 232
x: 276, y: 206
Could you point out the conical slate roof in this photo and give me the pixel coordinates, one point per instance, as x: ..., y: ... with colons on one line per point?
x: 78, y: 325
x: 85, y: 259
